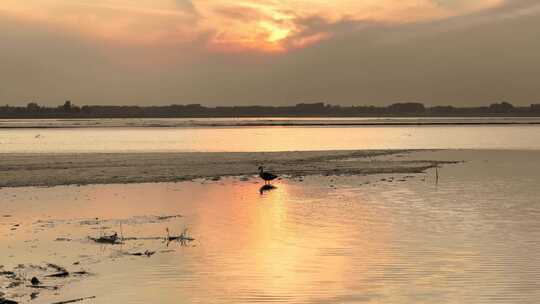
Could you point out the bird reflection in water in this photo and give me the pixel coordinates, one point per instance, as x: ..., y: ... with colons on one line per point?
x: 266, y: 188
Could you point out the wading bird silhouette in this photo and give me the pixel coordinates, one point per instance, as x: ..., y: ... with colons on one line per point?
x: 266, y: 176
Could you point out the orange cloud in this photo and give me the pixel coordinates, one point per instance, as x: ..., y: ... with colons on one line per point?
x: 267, y: 25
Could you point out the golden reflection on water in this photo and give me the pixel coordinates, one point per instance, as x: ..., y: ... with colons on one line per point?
x: 250, y: 246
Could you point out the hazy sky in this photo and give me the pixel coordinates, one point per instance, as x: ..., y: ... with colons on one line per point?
x: 217, y: 52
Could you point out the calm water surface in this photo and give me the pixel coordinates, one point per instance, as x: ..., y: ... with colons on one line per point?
x: 473, y: 238
x: 268, y: 138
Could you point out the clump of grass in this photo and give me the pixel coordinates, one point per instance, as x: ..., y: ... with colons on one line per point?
x: 183, y: 238
x: 112, y: 239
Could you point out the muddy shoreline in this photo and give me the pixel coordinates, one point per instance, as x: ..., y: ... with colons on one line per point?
x: 223, y: 122
x: 23, y: 170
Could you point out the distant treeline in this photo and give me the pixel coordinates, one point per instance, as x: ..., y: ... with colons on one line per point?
x: 69, y: 110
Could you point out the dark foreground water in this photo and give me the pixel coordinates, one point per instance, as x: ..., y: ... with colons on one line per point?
x: 472, y: 238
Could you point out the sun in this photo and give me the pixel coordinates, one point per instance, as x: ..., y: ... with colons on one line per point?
x: 275, y: 33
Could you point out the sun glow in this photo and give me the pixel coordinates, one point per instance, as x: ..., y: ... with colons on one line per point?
x: 228, y: 25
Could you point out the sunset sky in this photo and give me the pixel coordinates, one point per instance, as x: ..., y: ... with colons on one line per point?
x: 216, y: 52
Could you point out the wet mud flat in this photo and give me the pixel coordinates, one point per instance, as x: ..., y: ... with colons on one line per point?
x: 22, y: 170
x: 45, y: 282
